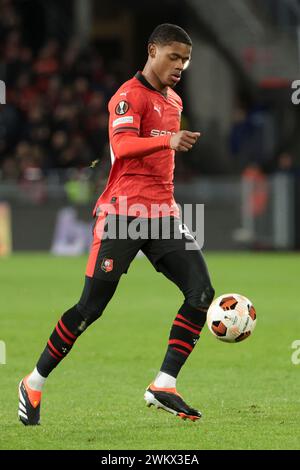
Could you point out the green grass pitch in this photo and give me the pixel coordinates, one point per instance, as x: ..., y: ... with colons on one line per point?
x: 248, y: 392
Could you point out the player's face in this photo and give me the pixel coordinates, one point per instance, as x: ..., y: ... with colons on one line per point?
x: 169, y: 62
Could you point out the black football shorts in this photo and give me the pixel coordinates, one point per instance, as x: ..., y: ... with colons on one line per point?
x: 117, y: 239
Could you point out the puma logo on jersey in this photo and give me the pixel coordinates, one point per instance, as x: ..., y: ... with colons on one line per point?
x: 158, y: 109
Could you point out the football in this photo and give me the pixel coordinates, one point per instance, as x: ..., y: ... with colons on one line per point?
x: 231, y: 318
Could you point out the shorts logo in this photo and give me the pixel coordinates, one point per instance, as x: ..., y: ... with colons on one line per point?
x: 107, y: 265
x: 122, y: 108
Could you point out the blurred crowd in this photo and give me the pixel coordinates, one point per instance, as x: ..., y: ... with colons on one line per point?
x: 255, y: 141
x: 56, y: 111
x: 56, y: 115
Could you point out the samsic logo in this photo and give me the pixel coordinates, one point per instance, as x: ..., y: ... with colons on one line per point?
x: 157, y: 132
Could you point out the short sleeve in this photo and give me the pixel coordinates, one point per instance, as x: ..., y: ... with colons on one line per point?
x: 126, y: 109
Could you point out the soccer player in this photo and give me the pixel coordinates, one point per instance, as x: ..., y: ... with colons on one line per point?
x: 144, y: 133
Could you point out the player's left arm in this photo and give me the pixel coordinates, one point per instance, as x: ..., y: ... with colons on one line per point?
x: 126, y: 110
x: 125, y: 120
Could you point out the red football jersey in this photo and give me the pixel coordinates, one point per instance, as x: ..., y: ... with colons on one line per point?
x: 142, y: 172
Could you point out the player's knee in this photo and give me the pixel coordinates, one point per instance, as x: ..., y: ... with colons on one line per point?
x: 201, y: 296
x: 208, y: 295
x: 89, y: 314
x: 76, y: 320
x: 95, y: 296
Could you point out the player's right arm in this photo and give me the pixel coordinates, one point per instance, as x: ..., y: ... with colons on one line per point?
x: 183, y: 141
x: 128, y: 145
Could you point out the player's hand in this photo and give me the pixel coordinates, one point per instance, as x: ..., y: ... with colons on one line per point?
x: 183, y: 141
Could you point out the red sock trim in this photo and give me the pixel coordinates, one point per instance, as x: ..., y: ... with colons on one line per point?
x: 181, y: 343
x: 51, y: 353
x: 65, y: 329
x: 66, y: 340
x: 179, y: 323
x: 181, y: 350
x: 54, y: 349
x: 188, y: 321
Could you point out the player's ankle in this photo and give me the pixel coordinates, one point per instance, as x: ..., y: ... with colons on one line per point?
x: 164, y: 380
x: 35, y: 380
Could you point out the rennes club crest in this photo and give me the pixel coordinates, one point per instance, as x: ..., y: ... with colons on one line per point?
x: 107, y: 265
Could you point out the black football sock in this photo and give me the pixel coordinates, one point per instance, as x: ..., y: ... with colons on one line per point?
x: 61, y: 341
x: 94, y: 298
x: 184, y: 335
